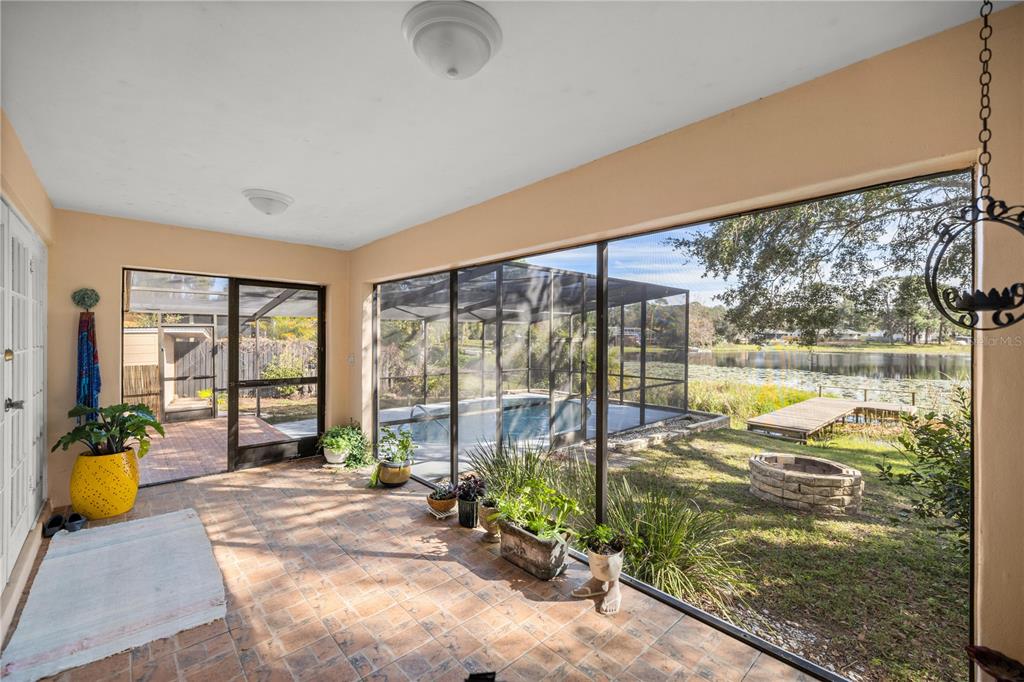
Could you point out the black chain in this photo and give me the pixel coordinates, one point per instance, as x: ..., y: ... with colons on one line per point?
x: 985, y: 79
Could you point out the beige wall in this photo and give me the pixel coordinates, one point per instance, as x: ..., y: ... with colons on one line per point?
x: 904, y: 113
x: 90, y: 250
x: 907, y: 112
x: 20, y: 184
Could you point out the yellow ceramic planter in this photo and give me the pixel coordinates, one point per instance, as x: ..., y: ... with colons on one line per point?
x: 104, y: 485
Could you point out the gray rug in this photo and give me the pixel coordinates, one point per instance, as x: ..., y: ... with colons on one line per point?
x: 103, y: 590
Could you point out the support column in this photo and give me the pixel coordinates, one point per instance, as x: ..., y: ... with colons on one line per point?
x: 643, y: 358
x: 601, y: 440
x: 498, y: 331
x: 423, y: 333
x: 453, y: 368
x: 622, y: 353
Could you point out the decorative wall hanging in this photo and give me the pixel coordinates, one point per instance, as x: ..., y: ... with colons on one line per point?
x: 974, y: 308
x: 87, y: 388
x: 85, y: 298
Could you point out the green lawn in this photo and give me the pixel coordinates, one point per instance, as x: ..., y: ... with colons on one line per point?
x: 880, y: 596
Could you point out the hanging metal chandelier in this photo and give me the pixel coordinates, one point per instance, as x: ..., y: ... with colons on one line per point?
x: 975, y: 308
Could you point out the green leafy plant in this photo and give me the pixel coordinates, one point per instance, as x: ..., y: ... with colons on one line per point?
x: 937, y: 450
x: 540, y: 509
x: 510, y: 466
x: 395, y: 447
x: 603, y: 539
x: 352, y: 441
x: 116, y: 428
x: 675, y: 546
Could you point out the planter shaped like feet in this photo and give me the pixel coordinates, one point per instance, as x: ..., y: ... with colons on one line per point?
x: 606, y: 569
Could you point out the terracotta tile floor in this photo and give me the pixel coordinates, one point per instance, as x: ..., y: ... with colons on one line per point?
x: 327, y: 580
x: 200, y: 448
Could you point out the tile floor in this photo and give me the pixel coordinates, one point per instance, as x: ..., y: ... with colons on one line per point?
x: 327, y: 580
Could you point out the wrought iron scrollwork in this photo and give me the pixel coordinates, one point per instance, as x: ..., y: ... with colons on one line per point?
x: 977, y: 309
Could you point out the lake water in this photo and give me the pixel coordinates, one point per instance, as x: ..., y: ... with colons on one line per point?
x: 899, y: 366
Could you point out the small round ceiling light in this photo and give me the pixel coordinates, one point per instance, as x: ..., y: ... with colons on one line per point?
x: 454, y: 38
x: 267, y: 201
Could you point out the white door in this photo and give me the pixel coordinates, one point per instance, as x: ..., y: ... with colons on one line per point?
x: 22, y: 384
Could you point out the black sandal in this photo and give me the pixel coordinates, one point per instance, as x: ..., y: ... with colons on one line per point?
x: 55, y: 523
x: 75, y: 521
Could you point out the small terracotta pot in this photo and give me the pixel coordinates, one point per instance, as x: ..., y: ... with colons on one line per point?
x: 493, y: 529
x: 441, y: 506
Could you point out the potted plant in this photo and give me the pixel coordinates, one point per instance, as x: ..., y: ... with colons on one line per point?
x: 605, y: 550
x: 471, y: 489
x: 534, y: 529
x: 442, y: 498
x: 394, y: 461
x: 489, y: 519
x: 345, y: 445
x: 105, y: 480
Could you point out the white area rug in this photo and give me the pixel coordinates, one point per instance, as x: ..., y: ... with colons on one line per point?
x: 104, y: 590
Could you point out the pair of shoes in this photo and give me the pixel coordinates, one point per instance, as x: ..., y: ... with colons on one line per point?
x: 73, y: 522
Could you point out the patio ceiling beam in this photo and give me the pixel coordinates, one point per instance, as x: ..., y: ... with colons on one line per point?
x: 268, y: 306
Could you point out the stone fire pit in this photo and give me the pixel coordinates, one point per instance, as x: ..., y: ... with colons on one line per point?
x: 806, y: 483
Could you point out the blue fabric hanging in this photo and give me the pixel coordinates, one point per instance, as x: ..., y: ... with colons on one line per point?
x: 88, y: 392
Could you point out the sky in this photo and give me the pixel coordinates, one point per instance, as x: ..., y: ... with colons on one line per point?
x: 646, y: 258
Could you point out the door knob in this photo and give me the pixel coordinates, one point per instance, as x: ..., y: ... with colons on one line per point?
x: 13, y: 405
x: 8, y: 355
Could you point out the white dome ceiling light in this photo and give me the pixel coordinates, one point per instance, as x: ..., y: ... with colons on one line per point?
x: 454, y: 38
x: 267, y: 201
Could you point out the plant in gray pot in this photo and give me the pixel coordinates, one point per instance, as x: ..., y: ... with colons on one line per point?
x: 605, y: 550
x: 471, y: 489
x: 394, y: 463
x: 534, y: 529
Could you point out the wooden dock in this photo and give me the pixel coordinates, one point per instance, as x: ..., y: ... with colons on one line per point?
x: 811, y: 417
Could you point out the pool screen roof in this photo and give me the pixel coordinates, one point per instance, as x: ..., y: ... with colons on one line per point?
x: 167, y: 292
x: 528, y: 292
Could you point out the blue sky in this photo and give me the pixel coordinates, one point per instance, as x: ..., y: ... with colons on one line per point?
x: 645, y: 259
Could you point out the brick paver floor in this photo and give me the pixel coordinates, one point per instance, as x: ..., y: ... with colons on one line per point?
x: 327, y: 580
x: 199, y: 448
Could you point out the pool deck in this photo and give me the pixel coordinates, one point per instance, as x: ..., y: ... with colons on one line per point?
x: 809, y: 418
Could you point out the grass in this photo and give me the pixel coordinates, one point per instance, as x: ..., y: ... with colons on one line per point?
x: 743, y: 401
x: 879, y: 596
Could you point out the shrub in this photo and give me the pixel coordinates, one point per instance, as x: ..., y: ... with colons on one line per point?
x: 510, y: 466
x: 675, y: 546
x: 283, y: 367
x: 937, y: 450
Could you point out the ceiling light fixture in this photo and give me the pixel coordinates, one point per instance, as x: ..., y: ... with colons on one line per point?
x: 267, y: 201
x: 454, y: 38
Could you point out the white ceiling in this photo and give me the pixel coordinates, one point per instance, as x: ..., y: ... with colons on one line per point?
x: 165, y: 111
